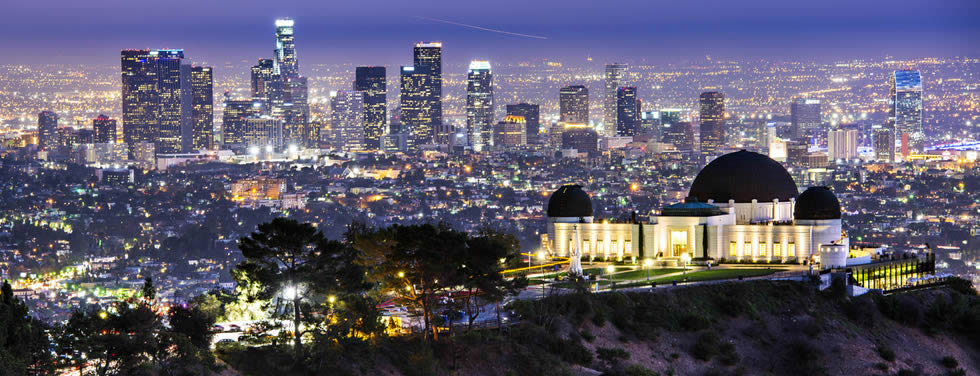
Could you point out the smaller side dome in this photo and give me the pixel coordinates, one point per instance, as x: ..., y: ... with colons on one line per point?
x: 570, y: 201
x: 817, y: 203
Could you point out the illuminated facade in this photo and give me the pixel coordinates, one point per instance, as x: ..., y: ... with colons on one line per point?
x: 105, y: 129
x: 581, y: 138
x: 47, y: 130
x: 741, y: 206
x: 573, y: 102
x: 627, y: 111
x: 285, y: 63
x: 347, y: 119
x: 712, y: 112
x: 372, y: 82
x: 805, y: 119
x: 202, y: 93
x: 905, y: 110
x: 883, y: 142
x: 510, y: 133
x: 615, y: 78
x: 421, y: 92
x: 156, y: 99
x: 842, y: 144
x: 531, y: 115
x: 236, y: 111
x: 261, y: 75
x: 479, y: 105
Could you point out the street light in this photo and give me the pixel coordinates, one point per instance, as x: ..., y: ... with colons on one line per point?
x: 647, y: 263
x: 685, y: 258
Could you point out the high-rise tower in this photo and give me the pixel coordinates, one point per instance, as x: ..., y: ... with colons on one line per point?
x: 421, y: 92
x: 347, y: 119
x: 712, y: 124
x: 615, y: 78
x: 202, y: 102
x: 156, y: 99
x: 104, y: 130
x: 372, y: 82
x: 627, y: 111
x: 573, y: 103
x: 261, y: 75
x: 479, y: 105
x: 805, y: 119
x: 531, y: 115
x: 47, y: 130
x: 285, y: 62
x: 905, y: 110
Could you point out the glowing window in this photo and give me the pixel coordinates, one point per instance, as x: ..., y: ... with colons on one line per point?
x: 777, y: 250
x: 678, y: 242
x: 733, y: 249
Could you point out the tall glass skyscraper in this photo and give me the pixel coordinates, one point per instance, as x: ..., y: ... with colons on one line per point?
x: 573, y: 103
x: 531, y: 115
x: 261, y: 75
x: 47, y: 130
x: 347, y: 119
x: 140, y: 106
x: 421, y: 92
x: 156, y: 99
x: 104, y: 129
x: 202, y: 93
x: 627, y: 111
x: 712, y: 124
x: 372, y: 82
x: 805, y: 119
x: 615, y: 78
x: 479, y: 105
x: 905, y: 110
x: 285, y: 61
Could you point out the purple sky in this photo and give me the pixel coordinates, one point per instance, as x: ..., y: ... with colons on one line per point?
x: 381, y: 31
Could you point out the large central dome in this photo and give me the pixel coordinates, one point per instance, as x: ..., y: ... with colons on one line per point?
x: 743, y: 176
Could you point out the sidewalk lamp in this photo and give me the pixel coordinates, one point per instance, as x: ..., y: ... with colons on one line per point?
x: 647, y: 263
x: 685, y: 259
x: 609, y: 271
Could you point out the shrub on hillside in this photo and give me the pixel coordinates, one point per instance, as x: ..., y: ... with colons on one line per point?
x: 862, y: 311
x: 804, y: 358
x: 729, y: 356
x: 706, y: 346
x: 949, y: 362
x: 886, y: 353
x: 612, y: 355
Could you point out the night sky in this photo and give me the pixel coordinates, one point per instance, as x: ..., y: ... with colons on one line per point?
x: 381, y: 32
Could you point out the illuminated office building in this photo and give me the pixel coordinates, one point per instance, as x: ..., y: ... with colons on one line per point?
x: 202, y: 93
x: 627, y: 111
x: 573, y: 103
x: 650, y: 124
x: 510, y: 133
x: 479, y: 105
x: 47, y: 130
x: 805, y: 119
x: 531, y: 115
x: 883, y: 143
x: 156, y: 98
x: 347, y: 119
x: 615, y: 78
x: 421, y: 92
x: 372, y: 81
x: 905, y: 110
x: 236, y: 111
x: 261, y: 75
x: 580, y: 137
x: 105, y: 129
x: 842, y: 144
x: 285, y: 63
x: 712, y: 124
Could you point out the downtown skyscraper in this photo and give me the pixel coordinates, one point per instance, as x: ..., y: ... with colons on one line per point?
x: 615, y: 78
x: 905, y: 110
x: 712, y: 105
x: 421, y: 93
x: 202, y: 103
x: 372, y: 81
x: 47, y: 130
x: 156, y: 99
x: 261, y: 75
x: 347, y: 119
x: 573, y: 104
x: 479, y: 105
x: 805, y: 119
x: 532, y: 118
x: 627, y: 111
x: 104, y: 130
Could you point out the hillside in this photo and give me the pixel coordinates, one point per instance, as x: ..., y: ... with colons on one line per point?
x: 751, y: 328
